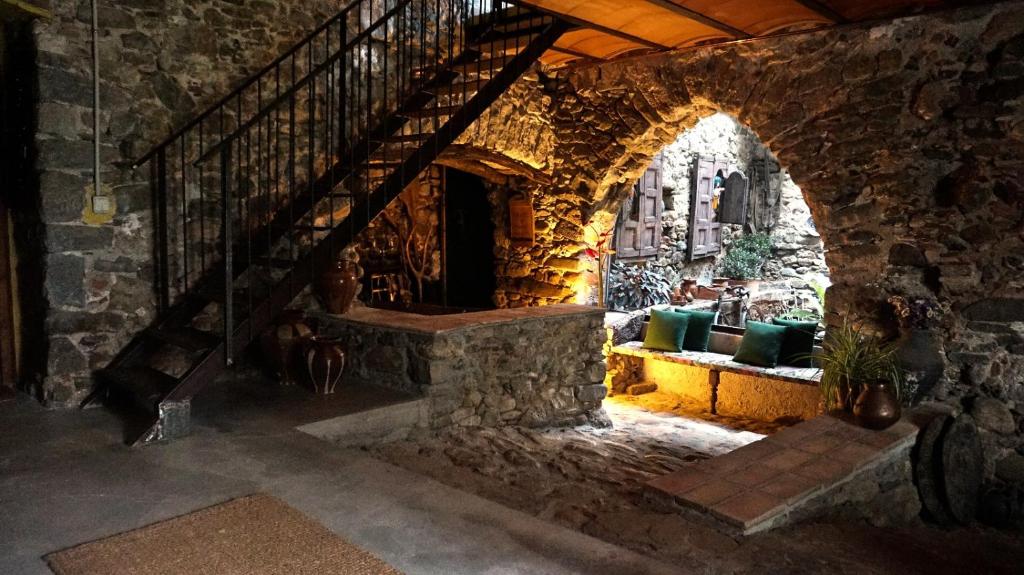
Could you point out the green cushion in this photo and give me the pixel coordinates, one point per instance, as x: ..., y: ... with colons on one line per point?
x: 798, y: 344
x: 761, y: 344
x: 698, y: 332
x: 666, y: 331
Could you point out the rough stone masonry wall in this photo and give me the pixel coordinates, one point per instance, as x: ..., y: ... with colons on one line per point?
x: 162, y: 61
x: 534, y: 371
x: 907, y: 138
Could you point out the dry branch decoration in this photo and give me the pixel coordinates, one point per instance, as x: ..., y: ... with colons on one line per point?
x: 416, y: 226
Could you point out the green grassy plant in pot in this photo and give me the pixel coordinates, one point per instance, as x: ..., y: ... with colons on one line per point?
x: 862, y: 375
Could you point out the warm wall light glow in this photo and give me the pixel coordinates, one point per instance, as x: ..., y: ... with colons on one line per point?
x: 581, y: 287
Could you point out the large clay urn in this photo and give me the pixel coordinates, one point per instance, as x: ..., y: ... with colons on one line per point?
x: 338, y: 286
x: 283, y: 343
x: 325, y: 360
x: 877, y: 406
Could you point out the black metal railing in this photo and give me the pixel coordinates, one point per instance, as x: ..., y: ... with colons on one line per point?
x: 324, y: 136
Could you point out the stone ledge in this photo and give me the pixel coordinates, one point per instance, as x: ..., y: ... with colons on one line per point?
x: 721, y: 362
x: 433, y: 324
x: 763, y: 484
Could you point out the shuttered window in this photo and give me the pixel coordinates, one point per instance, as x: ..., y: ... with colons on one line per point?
x: 704, y: 238
x: 638, y: 234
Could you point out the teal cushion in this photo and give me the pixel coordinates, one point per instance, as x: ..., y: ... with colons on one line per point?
x: 666, y: 331
x: 798, y: 345
x: 698, y: 332
x: 761, y: 344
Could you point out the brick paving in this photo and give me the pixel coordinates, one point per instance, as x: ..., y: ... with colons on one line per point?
x: 750, y: 488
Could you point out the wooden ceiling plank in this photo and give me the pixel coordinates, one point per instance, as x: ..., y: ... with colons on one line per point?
x: 824, y: 10
x: 576, y: 53
x: 698, y: 17
x: 594, y: 26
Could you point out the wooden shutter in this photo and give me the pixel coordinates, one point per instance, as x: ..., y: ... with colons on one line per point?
x: 733, y: 205
x: 639, y: 231
x: 705, y: 234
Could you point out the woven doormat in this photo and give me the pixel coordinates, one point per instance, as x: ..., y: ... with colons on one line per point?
x: 254, y: 535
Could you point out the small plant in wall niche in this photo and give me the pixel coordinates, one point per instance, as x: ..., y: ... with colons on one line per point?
x: 636, y: 286
x: 746, y: 257
x: 916, y: 313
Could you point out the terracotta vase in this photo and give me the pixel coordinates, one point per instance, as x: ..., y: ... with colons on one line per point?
x: 689, y: 287
x: 325, y: 360
x: 677, y: 294
x: 876, y: 406
x: 283, y: 343
x: 338, y: 286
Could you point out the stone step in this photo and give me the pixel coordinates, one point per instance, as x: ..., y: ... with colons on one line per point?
x: 770, y: 482
x: 378, y: 425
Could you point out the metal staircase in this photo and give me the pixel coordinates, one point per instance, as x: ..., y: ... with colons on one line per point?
x: 257, y: 195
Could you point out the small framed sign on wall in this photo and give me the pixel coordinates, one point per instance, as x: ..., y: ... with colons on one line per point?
x: 521, y: 221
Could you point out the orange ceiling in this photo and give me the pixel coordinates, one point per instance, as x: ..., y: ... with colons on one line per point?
x: 612, y: 28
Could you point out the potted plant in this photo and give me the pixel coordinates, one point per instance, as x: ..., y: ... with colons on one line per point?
x: 746, y: 256
x: 920, y: 344
x: 633, y: 287
x: 861, y: 375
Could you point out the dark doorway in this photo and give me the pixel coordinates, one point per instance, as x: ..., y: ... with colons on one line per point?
x: 469, y: 242
x: 8, y: 334
x: 23, y: 341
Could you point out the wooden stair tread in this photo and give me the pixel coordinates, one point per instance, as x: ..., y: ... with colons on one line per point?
x: 187, y: 338
x: 146, y: 386
x: 459, y: 88
x: 431, y: 112
x: 405, y: 138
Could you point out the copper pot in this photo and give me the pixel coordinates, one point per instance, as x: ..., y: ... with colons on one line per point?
x: 338, y: 286
x: 876, y: 406
x: 325, y: 360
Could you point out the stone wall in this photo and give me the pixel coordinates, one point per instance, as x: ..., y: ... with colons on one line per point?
x: 533, y: 371
x: 161, y: 62
x: 907, y: 138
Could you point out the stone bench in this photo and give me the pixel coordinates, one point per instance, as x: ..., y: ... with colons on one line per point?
x: 712, y: 377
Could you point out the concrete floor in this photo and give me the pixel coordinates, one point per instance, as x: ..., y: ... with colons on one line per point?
x: 66, y: 478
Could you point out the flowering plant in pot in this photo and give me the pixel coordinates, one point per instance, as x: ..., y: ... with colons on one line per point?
x: 861, y: 374
x: 916, y: 313
x: 920, y: 344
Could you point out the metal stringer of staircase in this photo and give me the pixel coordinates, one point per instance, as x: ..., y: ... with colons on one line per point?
x: 259, y: 193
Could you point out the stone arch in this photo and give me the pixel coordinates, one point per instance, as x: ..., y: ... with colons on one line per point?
x: 859, y: 117
x: 907, y: 138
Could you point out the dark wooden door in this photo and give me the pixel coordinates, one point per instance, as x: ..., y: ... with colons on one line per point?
x: 639, y: 231
x: 733, y: 204
x: 705, y: 234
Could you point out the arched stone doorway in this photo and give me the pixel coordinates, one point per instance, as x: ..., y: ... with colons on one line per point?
x: 764, y: 205
x: 907, y: 138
